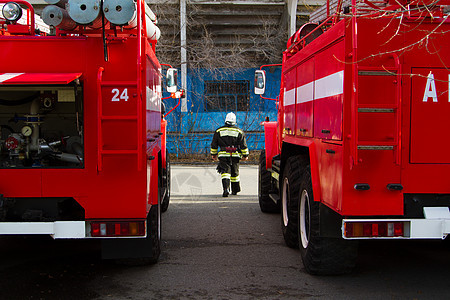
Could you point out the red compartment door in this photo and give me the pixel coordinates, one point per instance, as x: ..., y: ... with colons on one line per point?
x: 430, y: 116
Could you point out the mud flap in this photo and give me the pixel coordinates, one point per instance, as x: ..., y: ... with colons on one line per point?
x: 126, y: 248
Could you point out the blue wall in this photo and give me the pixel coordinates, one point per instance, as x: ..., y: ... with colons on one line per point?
x: 191, y: 132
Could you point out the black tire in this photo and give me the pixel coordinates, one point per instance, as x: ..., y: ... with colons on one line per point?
x: 166, y: 185
x: 266, y: 204
x: 154, y: 233
x: 320, y: 255
x: 290, y: 185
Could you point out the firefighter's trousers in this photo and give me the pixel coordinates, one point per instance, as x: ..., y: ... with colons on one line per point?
x: 229, y: 169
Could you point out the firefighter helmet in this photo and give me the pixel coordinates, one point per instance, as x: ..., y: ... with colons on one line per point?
x: 230, y: 119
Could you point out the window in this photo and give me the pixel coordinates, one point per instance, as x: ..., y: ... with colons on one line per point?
x: 227, y: 95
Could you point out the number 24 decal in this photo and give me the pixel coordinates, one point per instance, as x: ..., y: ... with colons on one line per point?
x: 123, y: 95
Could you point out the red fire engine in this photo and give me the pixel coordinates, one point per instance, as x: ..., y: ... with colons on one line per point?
x: 82, y: 145
x: 359, y: 148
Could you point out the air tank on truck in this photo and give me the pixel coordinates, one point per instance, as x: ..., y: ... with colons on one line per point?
x: 359, y: 150
x: 82, y: 130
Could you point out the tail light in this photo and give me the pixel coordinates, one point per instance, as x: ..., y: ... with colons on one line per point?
x: 117, y: 229
x: 363, y: 229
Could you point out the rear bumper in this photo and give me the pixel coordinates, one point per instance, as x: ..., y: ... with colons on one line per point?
x: 58, y: 229
x: 435, y: 225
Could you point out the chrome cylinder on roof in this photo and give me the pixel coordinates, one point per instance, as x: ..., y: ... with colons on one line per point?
x: 120, y: 12
x: 85, y: 12
x: 58, y: 17
x: 124, y: 13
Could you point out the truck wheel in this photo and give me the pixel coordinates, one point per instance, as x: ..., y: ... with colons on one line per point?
x: 154, y: 233
x: 320, y: 256
x: 166, y: 187
x: 290, y: 185
x: 266, y: 204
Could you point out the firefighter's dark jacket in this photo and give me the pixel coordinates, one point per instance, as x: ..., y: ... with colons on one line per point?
x: 231, y: 141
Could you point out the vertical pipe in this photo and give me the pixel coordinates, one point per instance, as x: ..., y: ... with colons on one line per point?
x: 140, y: 87
x: 99, y: 119
x: 328, y: 8
x: 354, y: 102
x: 183, y: 53
x: 34, y: 112
x: 292, y: 9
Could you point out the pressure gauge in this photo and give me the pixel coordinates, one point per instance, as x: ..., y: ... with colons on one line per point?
x: 26, y: 130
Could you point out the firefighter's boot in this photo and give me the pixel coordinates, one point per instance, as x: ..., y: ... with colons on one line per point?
x: 226, y: 187
x: 235, y: 188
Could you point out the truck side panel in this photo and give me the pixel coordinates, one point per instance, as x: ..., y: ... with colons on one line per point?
x: 289, y: 102
x: 328, y: 92
x: 103, y: 194
x: 305, y: 97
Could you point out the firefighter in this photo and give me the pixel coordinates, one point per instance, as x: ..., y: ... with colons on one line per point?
x: 233, y: 147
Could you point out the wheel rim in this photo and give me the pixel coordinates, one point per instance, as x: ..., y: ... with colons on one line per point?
x: 304, y: 218
x: 284, y: 201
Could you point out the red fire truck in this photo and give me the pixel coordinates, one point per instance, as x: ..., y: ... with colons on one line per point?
x: 359, y: 148
x: 82, y: 144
